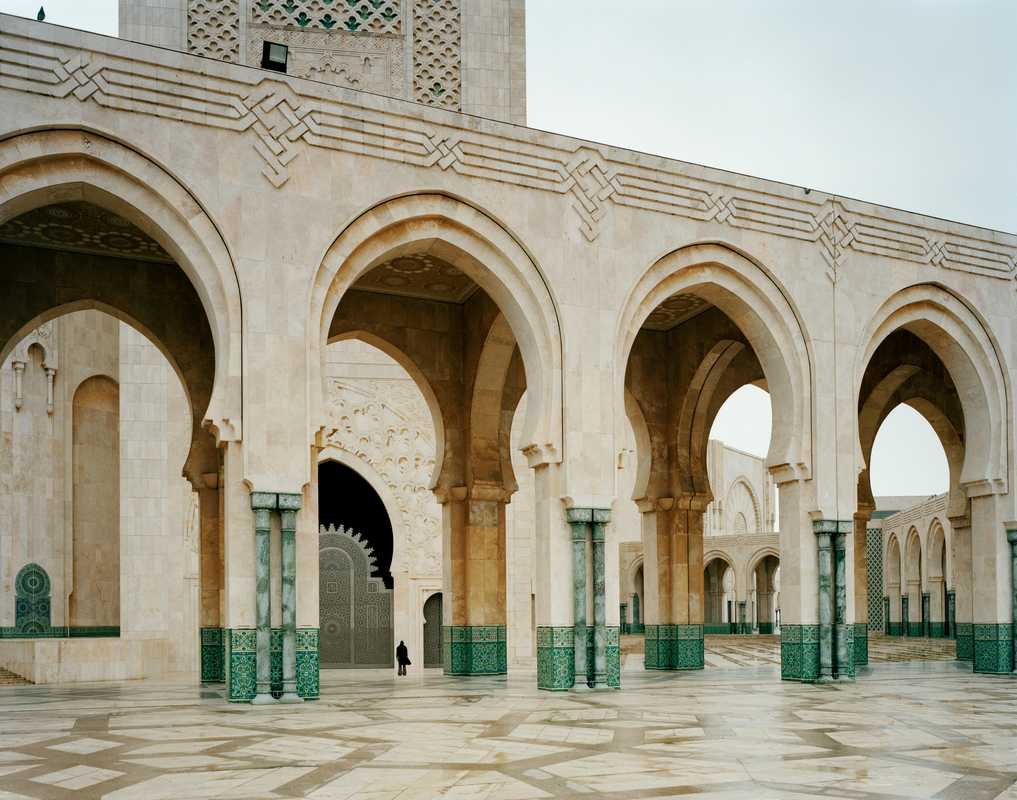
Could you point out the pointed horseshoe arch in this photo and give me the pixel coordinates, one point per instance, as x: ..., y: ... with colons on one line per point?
x: 481, y: 248
x: 750, y: 296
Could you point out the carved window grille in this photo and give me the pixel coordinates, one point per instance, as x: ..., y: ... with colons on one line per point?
x: 354, y: 16
x: 437, y: 42
x: 213, y: 29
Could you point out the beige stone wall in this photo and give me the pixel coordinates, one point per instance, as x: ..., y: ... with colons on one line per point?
x: 95, y: 458
x: 159, y: 22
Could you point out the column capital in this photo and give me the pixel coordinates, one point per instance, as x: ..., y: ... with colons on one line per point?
x: 832, y: 526
x: 290, y: 502
x: 266, y: 501
x: 1011, y: 536
x: 573, y: 515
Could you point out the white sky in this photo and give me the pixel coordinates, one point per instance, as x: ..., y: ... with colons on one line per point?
x: 907, y: 103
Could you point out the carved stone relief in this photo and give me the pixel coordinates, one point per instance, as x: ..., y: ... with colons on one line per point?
x: 395, y: 437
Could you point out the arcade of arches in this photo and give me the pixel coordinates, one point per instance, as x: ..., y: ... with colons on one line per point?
x: 346, y: 370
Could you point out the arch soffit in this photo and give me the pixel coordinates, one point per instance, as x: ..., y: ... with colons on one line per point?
x: 367, y: 471
x: 485, y: 413
x: 960, y: 338
x: 935, y: 548
x: 39, y: 168
x: 420, y: 380
x: 724, y: 557
x: 761, y: 309
x: 480, y: 247
x: 644, y: 445
x: 634, y: 567
x: 760, y: 555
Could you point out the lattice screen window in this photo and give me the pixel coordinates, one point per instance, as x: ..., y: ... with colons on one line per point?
x: 874, y: 554
x: 356, y: 16
x: 213, y: 29
x: 437, y: 57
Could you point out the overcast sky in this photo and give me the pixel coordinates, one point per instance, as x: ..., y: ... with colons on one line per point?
x: 907, y: 103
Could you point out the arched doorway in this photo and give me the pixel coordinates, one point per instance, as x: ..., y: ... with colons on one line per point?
x: 432, y: 631
x: 355, y: 547
x: 766, y: 584
x: 720, y: 605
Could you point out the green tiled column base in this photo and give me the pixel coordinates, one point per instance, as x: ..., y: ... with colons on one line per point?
x: 556, y: 658
x: 915, y: 629
x: 718, y: 628
x: 799, y: 652
x: 965, y: 641
x: 637, y: 628
x: 861, y: 642
x: 893, y: 629
x: 212, y: 655
x: 275, y: 648
x: 993, y: 648
x: 766, y: 628
x: 240, y: 664
x: 308, y: 664
x: 937, y: 630
x: 613, y: 656
x: 677, y: 647
x: 475, y: 650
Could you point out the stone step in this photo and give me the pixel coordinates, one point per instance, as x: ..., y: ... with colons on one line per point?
x: 8, y: 678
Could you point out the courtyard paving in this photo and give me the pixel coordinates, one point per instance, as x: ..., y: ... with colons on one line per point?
x: 914, y: 730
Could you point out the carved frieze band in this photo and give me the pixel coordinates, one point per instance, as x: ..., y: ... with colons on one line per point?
x: 283, y: 121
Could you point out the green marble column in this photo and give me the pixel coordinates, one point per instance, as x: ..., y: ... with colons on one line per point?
x: 623, y: 614
x: 289, y: 504
x: 844, y: 657
x: 263, y: 504
x: 825, y: 530
x: 579, y: 520
x: 601, y: 516
x: 637, y: 625
x: 1011, y: 537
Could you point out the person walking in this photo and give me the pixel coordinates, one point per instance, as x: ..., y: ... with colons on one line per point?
x: 403, y: 657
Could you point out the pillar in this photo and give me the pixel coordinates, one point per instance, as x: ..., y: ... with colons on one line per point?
x: 579, y: 520
x: 623, y: 618
x: 1011, y: 538
x: 474, y: 642
x: 601, y: 516
x: 824, y: 545
x: 210, y: 576
x: 844, y: 656
x: 860, y: 637
x: 636, y: 623
x: 289, y: 504
x: 263, y: 504
x: 963, y: 605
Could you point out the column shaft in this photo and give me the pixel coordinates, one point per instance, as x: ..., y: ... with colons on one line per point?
x: 289, y: 503
x: 825, y: 552
x: 844, y: 657
x: 263, y: 504
x: 599, y: 601
x: 580, y: 525
x: 1011, y: 537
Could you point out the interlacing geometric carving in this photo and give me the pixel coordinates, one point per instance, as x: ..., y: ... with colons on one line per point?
x: 213, y: 29
x: 284, y: 122
x: 355, y: 16
x: 437, y: 37
x: 393, y: 436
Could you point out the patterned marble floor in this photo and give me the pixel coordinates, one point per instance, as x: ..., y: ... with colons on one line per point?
x: 900, y: 731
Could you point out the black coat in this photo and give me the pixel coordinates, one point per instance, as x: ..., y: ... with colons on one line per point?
x: 403, y: 656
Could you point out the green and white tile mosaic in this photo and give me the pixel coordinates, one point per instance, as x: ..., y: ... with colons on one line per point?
x: 556, y: 658
x: 799, y: 652
x: 993, y: 647
x: 861, y: 643
x: 241, y: 666
x: 212, y: 655
x: 308, y: 663
x: 475, y: 650
x: 674, y: 647
x: 965, y: 641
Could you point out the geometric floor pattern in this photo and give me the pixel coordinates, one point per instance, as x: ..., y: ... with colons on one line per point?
x: 917, y: 730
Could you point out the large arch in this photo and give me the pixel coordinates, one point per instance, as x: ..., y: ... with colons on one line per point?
x: 959, y: 338
x: 39, y: 168
x: 760, y: 308
x: 481, y: 248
